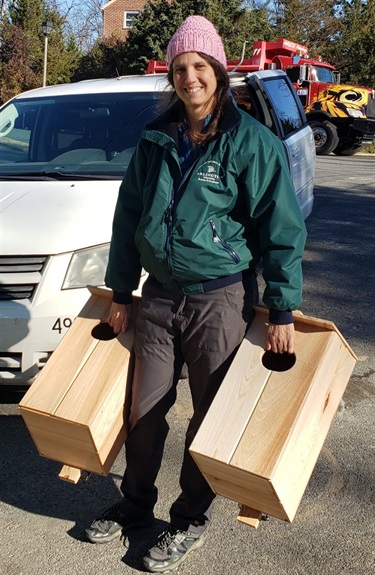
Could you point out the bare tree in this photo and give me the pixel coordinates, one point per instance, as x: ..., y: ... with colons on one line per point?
x: 83, y: 20
x: 3, y: 8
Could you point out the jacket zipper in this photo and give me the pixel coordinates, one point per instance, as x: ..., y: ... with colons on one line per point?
x: 168, y: 217
x: 217, y: 239
x: 168, y: 221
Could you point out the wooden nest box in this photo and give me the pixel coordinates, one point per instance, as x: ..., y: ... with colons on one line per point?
x: 75, y: 410
x: 262, y: 436
x: 258, y: 443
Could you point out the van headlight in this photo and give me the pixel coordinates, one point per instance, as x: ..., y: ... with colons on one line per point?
x: 87, y: 267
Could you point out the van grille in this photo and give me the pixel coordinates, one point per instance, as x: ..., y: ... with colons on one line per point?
x: 19, y: 276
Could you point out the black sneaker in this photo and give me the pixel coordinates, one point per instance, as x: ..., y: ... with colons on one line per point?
x: 171, y: 549
x: 110, y: 525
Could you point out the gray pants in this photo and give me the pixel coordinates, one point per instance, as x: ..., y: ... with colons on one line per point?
x: 203, y: 330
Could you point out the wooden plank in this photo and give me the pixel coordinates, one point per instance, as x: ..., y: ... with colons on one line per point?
x: 69, y: 443
x: 73, y: 445
x: 223, y: 426
x: 46, y: 426
x: 67, y: 360
x: 110, y: 448
x: 101, y: 291
x: 94, y: 383
x: 313, y: 321
x: 296, y: 464
x: 268, y: 430
x: 109, y: 423
x: 240, y: 485
x: 249, y: 516
x: 70, y: 474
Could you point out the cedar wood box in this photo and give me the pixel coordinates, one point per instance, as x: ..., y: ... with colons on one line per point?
x: 75, y: 410
x: 260, y: 440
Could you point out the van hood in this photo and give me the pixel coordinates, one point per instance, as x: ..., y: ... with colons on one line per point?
x: 41, y: 219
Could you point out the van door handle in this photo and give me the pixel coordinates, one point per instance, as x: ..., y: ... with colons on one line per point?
x: 294, y: 152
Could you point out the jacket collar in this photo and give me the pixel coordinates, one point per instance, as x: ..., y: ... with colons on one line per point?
x: 167, y: 122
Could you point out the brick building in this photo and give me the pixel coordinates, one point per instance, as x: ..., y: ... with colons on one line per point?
x: 118, y: 16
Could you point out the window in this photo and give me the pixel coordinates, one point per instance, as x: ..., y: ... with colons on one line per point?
x: 324, y: 74
x: 293, y: 74
x: 129, y: 18
x: 74, y: 134
x: 251, y: 100
x: 285, y: 103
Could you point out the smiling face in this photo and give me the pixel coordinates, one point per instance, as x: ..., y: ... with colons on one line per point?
x: 195, y: 83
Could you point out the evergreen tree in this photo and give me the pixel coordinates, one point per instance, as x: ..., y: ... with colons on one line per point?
x: 310, y: 22
x: 238, y: 23
x: 106, y: 59
x: 16, y: 74
x: 354, y: 49
x: 149, y: 37
x: 22, y: 48
x: 341, y: 31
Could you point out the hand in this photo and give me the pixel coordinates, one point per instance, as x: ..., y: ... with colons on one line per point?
x: 280, y: 338
x: 119, y: 316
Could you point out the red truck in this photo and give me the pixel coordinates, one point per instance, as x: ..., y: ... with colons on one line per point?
x: 341, y: 116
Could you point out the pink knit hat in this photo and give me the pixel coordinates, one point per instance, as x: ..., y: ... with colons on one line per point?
x: 196, y: 34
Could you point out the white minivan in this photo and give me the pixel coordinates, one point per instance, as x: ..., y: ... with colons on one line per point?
x: 63, y: 152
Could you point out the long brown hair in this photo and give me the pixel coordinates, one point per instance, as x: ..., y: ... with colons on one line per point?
x: 221, y: 97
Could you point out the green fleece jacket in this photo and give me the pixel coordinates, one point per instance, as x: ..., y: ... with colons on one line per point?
x: 235, y: 206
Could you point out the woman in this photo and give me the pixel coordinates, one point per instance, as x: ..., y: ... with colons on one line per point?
x: 206, y: 197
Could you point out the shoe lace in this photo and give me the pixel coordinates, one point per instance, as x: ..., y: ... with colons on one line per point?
x: 110, y: 512
x: 166, y: 538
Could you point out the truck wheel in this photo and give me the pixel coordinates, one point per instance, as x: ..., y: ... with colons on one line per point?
x: 344, y: 150
x: 325, y: 137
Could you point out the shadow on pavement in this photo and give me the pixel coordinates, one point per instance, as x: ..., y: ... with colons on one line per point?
x: 30, y: 482
x: 138, y: 542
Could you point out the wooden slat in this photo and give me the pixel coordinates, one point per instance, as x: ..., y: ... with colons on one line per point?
x: 241, y: 486
x: 267, y: 432
x: 249, y: 516
x: 111, y: 447
x: 93, y: 386
x: 66, y: 362
x: 314, y: 321
x: 113, y: 415
x: 223, y: 426
x: 70, y: 474
x: 295, y: 465
x: 101, y: 291
x: 70, y: 444
x: 73, y: 445
x: 46, y: 426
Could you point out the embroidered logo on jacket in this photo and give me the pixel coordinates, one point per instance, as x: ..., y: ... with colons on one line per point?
x: 211, y: 172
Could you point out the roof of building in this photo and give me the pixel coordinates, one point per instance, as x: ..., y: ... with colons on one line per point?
x: 107, y: 4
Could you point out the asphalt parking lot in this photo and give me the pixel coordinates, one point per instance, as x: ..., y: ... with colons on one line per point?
x: 42, y: 518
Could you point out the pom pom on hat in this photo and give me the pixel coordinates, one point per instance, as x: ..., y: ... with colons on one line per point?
x: 196, y: 34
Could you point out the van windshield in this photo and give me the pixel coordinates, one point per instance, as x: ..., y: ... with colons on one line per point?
x: 78, y: 135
